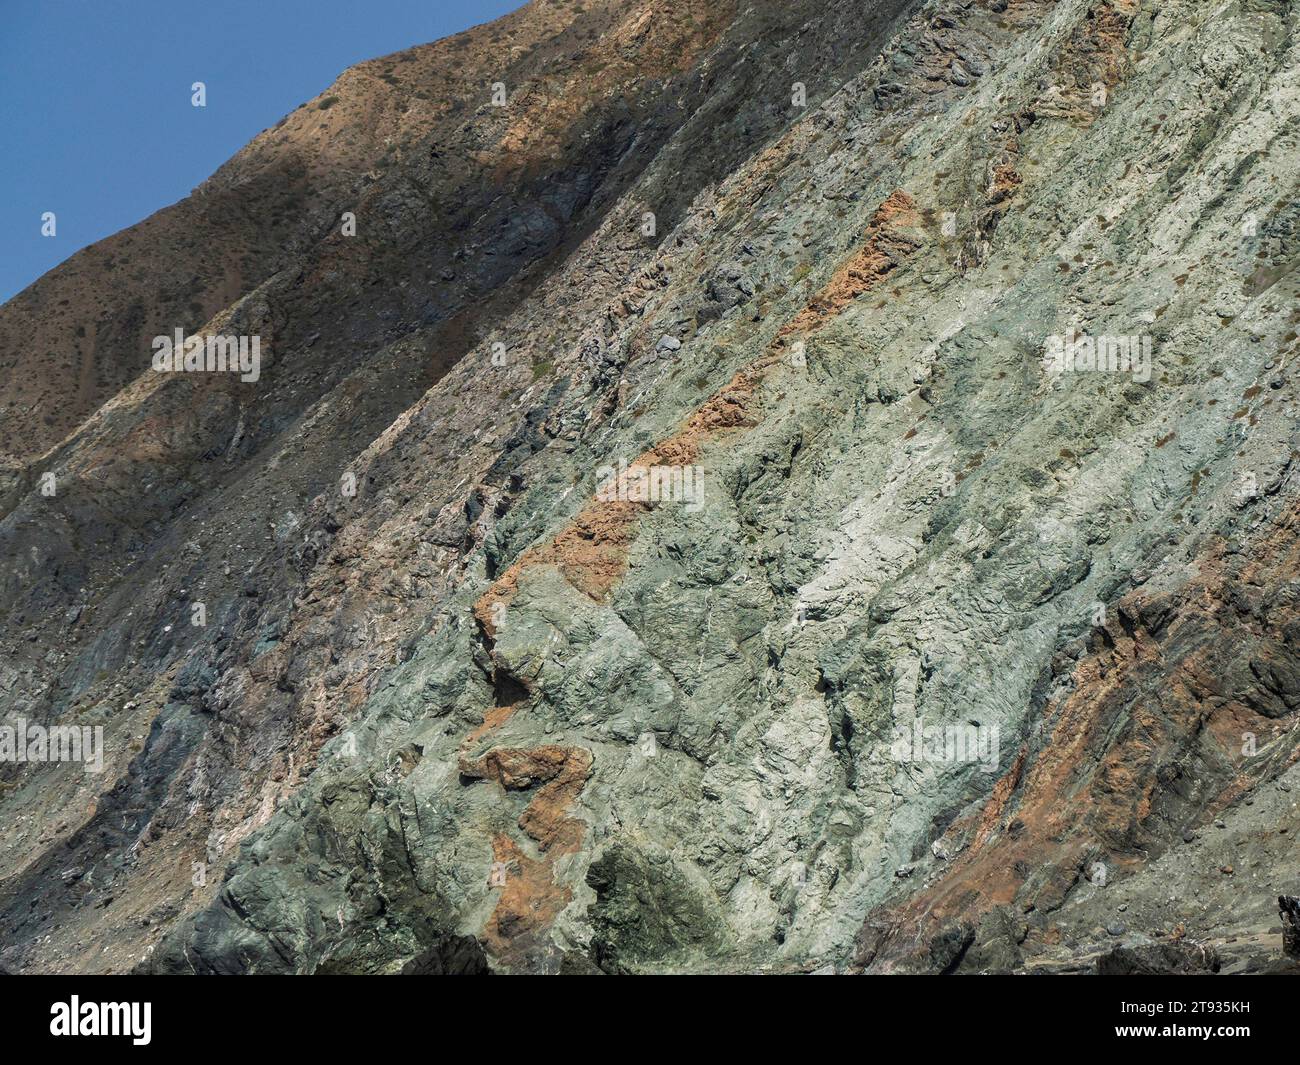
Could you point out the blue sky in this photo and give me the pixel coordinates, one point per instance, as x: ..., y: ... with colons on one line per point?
x: 96, y: 123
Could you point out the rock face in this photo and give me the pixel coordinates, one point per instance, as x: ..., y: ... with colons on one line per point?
x: 1289, y: 912
x: 787, y: 486
x: 1160, y: 959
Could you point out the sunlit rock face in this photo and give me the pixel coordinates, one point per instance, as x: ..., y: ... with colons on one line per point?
x: 725, y: 487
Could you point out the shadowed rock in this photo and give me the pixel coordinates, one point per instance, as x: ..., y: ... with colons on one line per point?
x: 1159, y: 959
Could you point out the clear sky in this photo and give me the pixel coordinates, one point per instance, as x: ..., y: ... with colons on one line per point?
x: 96, y: 123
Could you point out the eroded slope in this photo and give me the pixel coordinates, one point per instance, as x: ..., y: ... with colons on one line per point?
x: 477, y: 710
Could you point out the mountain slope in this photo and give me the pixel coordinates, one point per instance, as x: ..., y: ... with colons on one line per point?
x: 476, y: 712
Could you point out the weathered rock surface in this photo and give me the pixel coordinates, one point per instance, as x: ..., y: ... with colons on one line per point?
x: 1161, y: 959
x: 456, y: 706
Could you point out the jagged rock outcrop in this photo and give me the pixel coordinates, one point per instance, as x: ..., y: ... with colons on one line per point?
x: 478, y: 689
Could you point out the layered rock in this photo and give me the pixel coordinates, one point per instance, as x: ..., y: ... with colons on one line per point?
x: 460, y: 704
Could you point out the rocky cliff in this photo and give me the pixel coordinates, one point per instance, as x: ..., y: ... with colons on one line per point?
x: 775, y: 487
